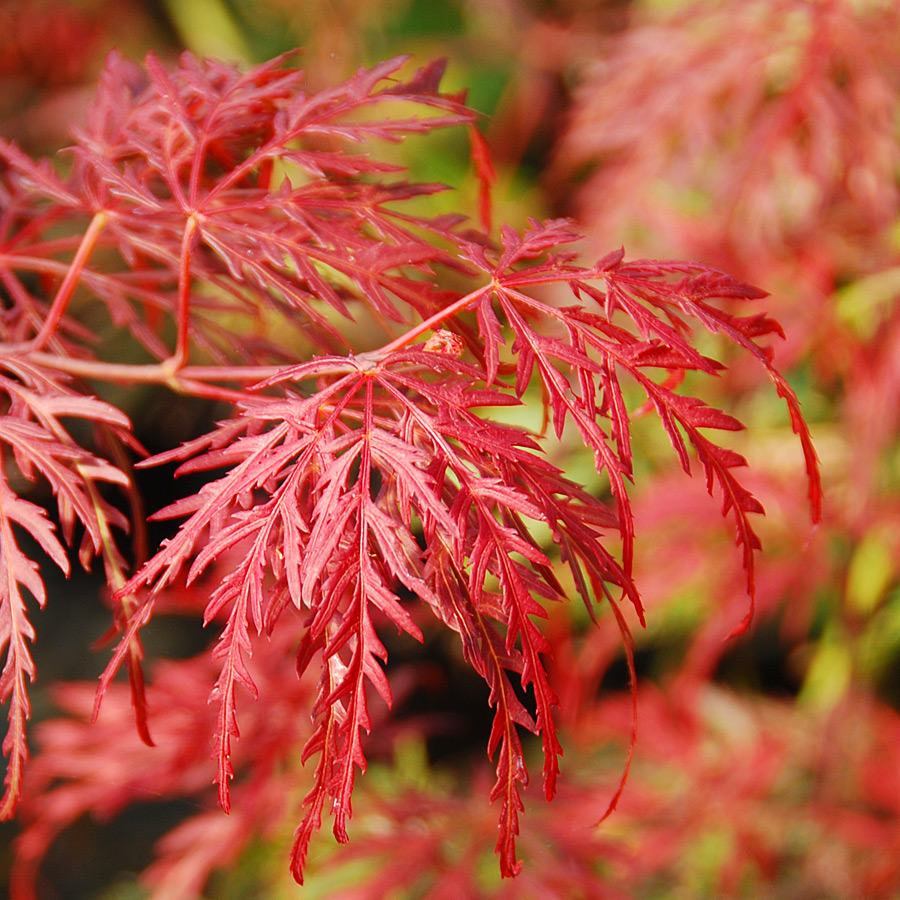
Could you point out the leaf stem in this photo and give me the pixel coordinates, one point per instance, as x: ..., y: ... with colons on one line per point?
x: 430, y: 323
x: 164, y: 372
x: 188, y: 379
x: 184, y: 293
x: 67, y: 288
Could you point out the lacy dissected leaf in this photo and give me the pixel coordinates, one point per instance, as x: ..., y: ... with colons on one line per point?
x: 18, y: 572
x: 225, y: 191
x: 380, y: 485
x: 35, y: 442
x: 354, y: 486
x: 347, y: 494
x: 579, y: 374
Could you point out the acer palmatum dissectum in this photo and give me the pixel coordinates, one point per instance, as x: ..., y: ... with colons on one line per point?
x: 230, y: 223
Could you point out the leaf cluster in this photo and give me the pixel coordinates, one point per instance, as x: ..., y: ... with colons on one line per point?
x: 243, y: 232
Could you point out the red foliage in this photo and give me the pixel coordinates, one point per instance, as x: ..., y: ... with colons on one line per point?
x: 762, y: 137
x: 100, y: 768
x: 355, y: 476
x: 758, y: 135
x: 48, y: 44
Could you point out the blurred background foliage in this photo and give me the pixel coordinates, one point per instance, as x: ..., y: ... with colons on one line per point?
x: 757, y: 135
